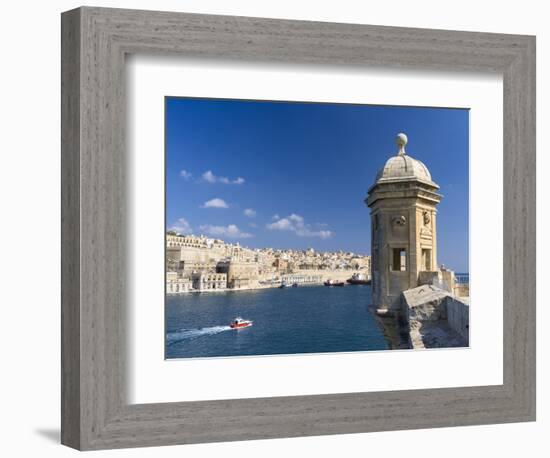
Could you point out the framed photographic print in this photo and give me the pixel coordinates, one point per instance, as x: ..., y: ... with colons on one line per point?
x: 341, y: 217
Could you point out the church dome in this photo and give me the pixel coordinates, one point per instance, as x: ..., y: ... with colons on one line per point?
x: 403, y: 167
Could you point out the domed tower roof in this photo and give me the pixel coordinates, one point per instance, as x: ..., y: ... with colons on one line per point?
x: 403, y: 167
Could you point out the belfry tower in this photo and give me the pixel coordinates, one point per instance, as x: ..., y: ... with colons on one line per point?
x: 402, y: 204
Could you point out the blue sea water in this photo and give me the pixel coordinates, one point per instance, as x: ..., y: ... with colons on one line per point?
x: 462, y: 277
x: 309, y: 319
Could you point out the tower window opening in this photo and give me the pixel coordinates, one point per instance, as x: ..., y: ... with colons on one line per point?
x: 427, y: 259
x: 399, y: 259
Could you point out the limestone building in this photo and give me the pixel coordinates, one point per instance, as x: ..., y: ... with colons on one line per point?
x: 402, y: 204
x: 176, y: 284
x: 239, y: 274
x: 208, y: 281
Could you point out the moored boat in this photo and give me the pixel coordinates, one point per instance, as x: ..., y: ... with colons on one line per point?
x: 334, y: 283
x: 358, y: 279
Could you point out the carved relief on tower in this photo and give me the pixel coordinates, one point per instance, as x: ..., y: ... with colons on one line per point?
x: 426, y: 230
x: 399, y: 220
x: 426, y: 218
x: 398, y: 224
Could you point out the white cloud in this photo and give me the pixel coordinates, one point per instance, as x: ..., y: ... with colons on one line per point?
x: 296, y: 223
x: 281, y: 225
x: 296, y: 218
x: 249, y: 212
x: 275, y: 216
x: 186, y: 175
x: 253, y: 225
x: 231, y: 231
x: 215, y: 203
x: 181, y: 226
x: 209, y: 177
x: 321, y: 234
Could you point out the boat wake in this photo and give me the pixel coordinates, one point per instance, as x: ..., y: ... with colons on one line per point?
x: 189, y: 334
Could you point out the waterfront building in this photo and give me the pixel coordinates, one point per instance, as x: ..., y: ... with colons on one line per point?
x: 175, y: 284
x: 302, y: 279
x: 281, y: 264
x: 402, y: 204
x: 208, y: 281
x: 240, y: 274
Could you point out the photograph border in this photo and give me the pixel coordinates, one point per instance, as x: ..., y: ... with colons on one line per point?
x: 95, y: 410
x: 282, y: 101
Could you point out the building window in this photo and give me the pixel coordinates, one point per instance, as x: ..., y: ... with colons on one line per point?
x: 399, y: 259
x: 427, y: 259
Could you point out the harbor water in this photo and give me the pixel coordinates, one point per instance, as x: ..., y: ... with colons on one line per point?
x: 308, y: 319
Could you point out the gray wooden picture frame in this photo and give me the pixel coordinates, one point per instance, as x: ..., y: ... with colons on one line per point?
x: 95, y: 411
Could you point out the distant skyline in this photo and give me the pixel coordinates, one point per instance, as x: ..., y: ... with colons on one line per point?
x: 293, y: 175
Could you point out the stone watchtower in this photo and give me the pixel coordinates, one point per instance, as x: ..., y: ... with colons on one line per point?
x: 402, y: 204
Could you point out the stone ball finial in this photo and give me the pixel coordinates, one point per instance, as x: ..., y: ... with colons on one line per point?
x: 401, y: 140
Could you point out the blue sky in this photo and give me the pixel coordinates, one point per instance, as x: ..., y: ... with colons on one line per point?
x: 294, y: 175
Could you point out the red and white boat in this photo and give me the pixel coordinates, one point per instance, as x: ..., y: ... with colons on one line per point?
x: 239, y: 323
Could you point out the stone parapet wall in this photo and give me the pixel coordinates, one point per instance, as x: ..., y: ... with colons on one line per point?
x: 428, y: 277
x: 462, y: 289
x: 434, y: 318
x: 458, y: 315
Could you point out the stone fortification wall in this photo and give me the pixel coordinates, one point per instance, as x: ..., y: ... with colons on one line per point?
x: 458, y: 315
x: 434, y: 318
x: 336, y: 275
